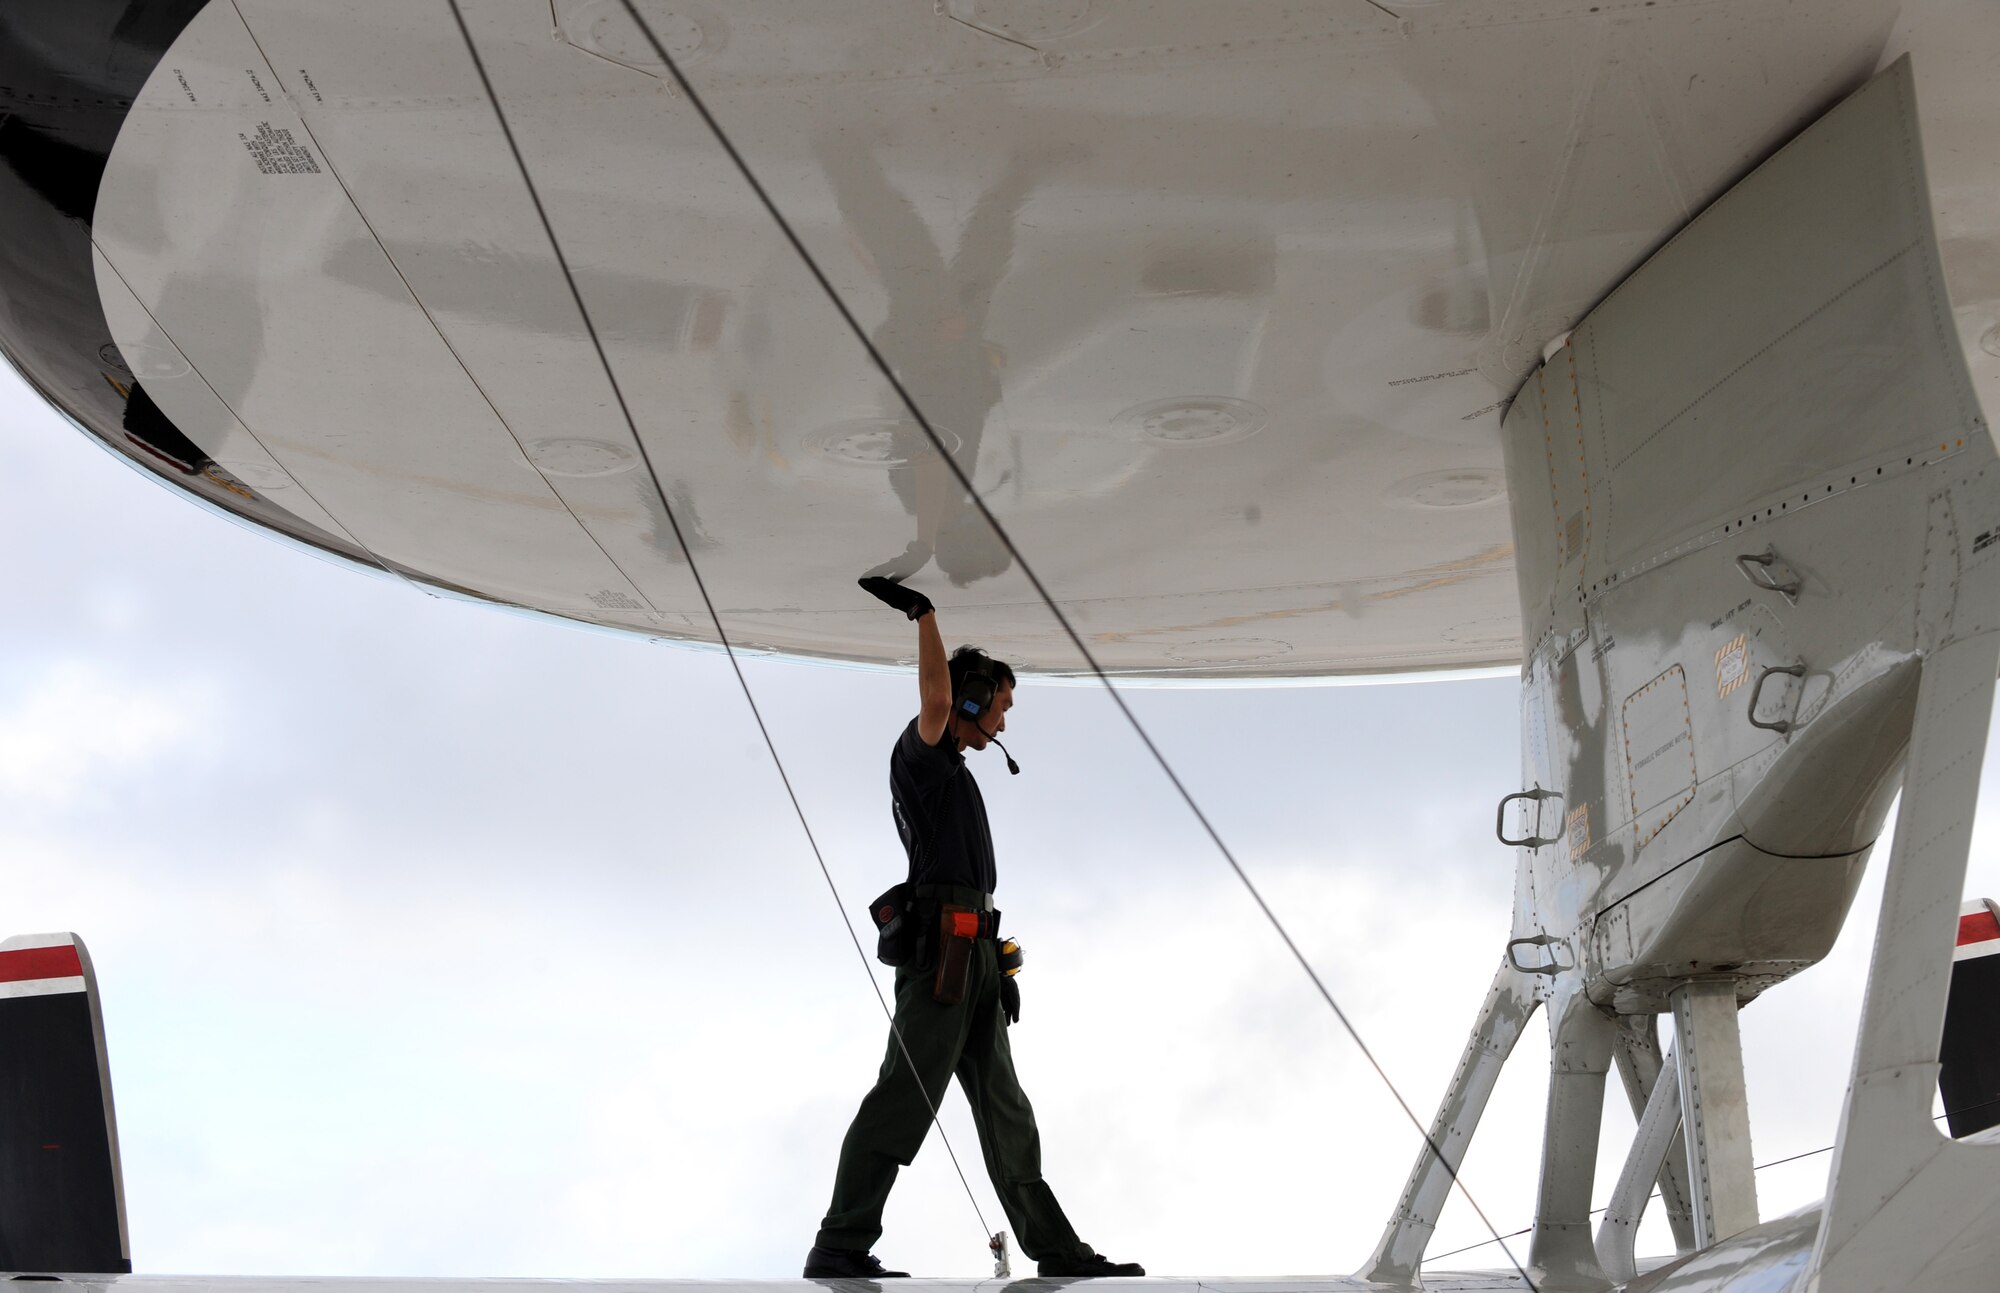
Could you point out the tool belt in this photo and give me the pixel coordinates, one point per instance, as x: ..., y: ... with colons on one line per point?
x: 955, y: 895
x: 909, y: 917
x: 908, y: 924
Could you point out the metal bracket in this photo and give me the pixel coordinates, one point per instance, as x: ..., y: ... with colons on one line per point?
x: 1554, y: 946
x: 1002, y: 1268
x: 1783, y: 725
x: 1763, y: 569
x: 1530, y: 840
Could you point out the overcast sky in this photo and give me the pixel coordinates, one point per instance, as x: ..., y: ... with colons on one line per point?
x: 438, y: 940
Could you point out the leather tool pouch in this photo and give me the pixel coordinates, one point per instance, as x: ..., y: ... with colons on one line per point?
x: 895, y: 927
x: 958, y: 930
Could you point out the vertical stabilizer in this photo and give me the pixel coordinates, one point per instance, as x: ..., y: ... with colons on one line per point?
x: 62, y: 1198
x: 1969, y: 1076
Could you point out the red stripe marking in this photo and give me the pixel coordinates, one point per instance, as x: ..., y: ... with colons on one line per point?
x: 47, y: 963
x: 1977, y: 928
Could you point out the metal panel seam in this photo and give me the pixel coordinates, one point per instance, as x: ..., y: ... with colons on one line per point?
x: 1731, y: 375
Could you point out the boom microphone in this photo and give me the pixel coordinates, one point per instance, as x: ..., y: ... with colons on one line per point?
x: 1012, y: 767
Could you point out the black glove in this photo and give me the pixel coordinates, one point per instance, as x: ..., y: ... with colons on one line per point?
x: 907, y: 600
x: 1010, y: 999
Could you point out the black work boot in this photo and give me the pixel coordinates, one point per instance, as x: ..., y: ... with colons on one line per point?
x: 1090, y: 1266
x: 847, y: 1264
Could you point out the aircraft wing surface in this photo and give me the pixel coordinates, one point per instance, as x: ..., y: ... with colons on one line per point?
x: 1466, y: 1282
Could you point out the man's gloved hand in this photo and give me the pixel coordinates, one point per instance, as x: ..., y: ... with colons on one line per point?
x: 1010, y: 999
x: 907, y: 600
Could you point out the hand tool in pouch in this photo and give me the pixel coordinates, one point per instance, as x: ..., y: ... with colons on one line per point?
x: 958, y: 931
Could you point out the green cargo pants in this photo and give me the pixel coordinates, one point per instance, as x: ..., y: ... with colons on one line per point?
x: 969, y: 1039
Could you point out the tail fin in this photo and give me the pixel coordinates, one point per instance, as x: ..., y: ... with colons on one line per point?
x: 62, y: 1195
x: 1969, y: 1078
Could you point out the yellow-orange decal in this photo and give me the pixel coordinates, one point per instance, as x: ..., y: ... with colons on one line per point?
x: 1578, y: 831
x: 1732, y: 666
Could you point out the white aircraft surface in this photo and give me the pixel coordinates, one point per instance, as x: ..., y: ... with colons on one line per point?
x: 1221, y: 334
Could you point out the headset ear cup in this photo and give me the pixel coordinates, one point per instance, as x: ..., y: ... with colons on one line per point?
x: 975, y: 694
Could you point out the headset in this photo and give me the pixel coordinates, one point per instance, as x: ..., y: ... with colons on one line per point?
x: 976, y: 691
x: 977, y: 688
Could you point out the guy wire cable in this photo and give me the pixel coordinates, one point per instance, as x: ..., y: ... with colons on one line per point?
x: 1076, y: 639
x: 714, y: 616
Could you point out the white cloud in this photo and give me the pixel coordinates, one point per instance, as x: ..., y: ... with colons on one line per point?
x: 79, y: 727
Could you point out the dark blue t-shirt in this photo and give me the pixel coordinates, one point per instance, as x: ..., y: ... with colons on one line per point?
x: 939, y: 813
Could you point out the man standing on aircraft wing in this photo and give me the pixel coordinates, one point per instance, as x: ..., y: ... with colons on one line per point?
x: 953, y: 1000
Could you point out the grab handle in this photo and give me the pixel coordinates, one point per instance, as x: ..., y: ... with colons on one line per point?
x: 1530, y: 840
x: 1783, y: 725
x: 1547, y: 943
x: 1760, y: 568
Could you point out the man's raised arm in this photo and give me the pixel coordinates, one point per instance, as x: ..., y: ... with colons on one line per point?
x: 933, y: 675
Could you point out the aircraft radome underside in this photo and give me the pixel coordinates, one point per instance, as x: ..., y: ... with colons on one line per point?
x: 1220, y: 305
